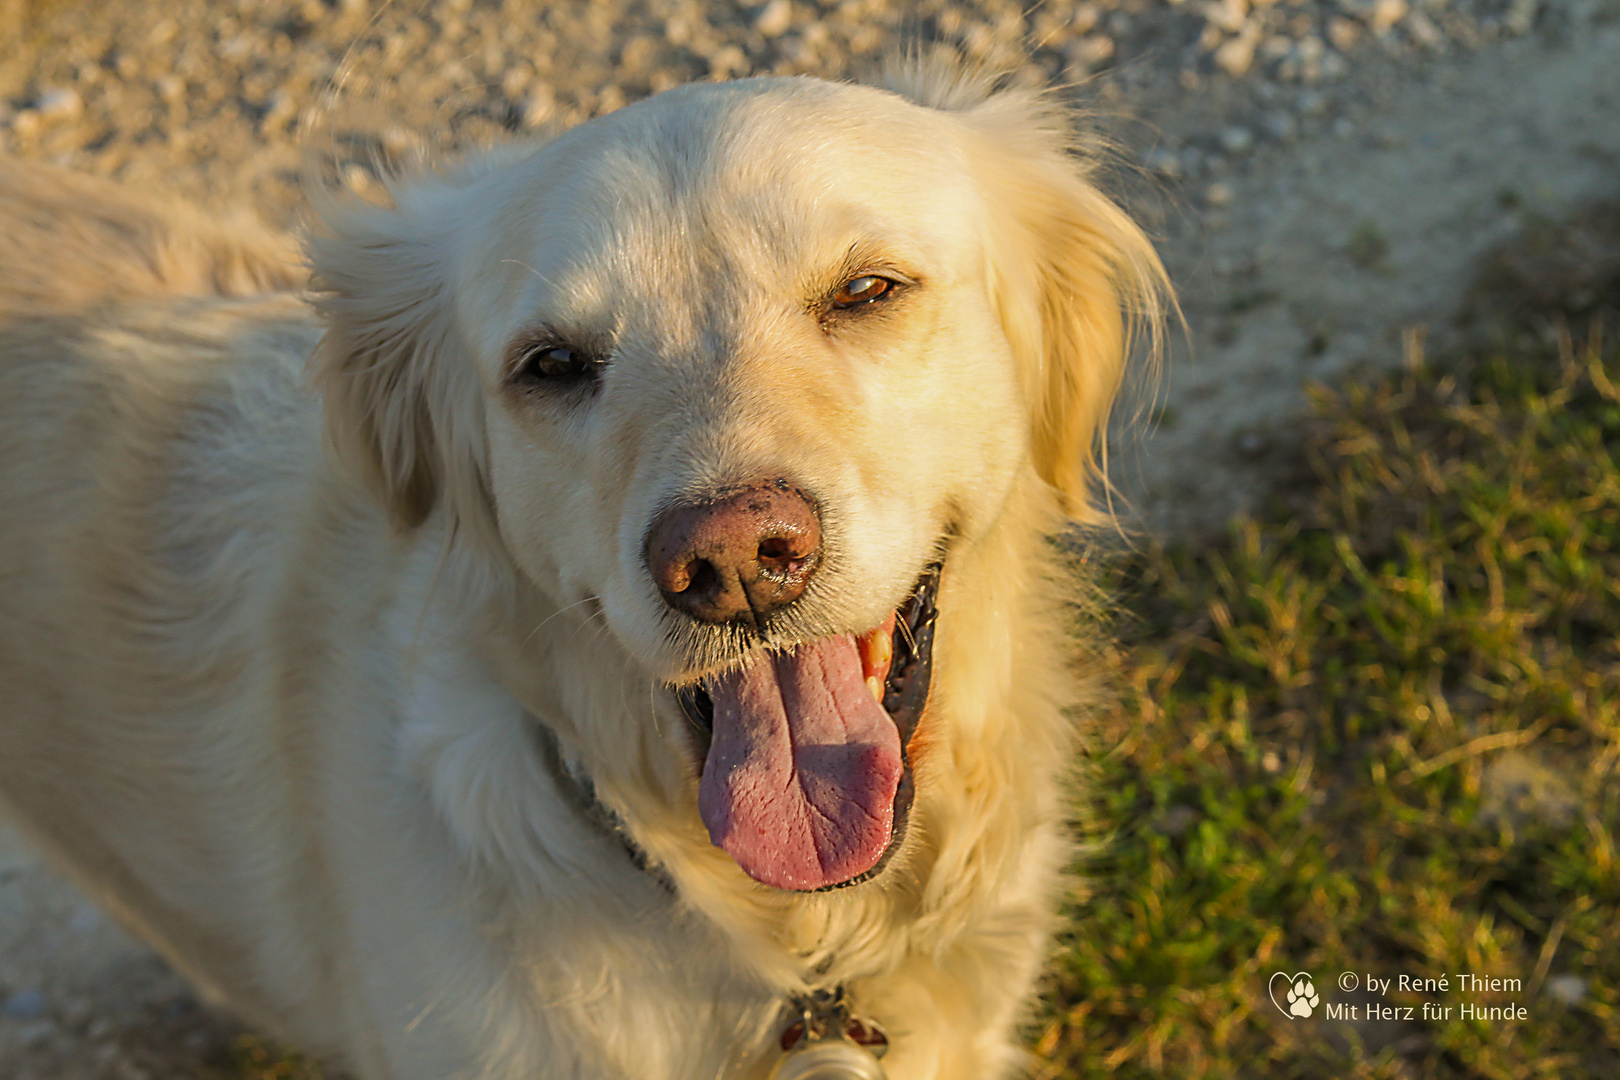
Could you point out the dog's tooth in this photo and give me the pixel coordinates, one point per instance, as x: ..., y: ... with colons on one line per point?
x: 875, y: 684
x: 883, y: 651
x: 876, y: 649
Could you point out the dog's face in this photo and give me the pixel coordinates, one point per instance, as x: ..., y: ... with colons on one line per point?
x: 743, y: 364
x: 736, y: 284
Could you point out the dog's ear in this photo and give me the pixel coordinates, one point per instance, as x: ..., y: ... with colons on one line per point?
x: 401, y: 395
x: 1076, y: 279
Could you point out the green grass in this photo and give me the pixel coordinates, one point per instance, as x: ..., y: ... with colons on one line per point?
x: 251, y: 1058
x: 1374, y: 731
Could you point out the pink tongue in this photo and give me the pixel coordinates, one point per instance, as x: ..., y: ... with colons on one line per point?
x: 800, y: 780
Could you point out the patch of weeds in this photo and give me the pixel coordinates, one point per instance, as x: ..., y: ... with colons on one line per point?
x: 1245, y: 302
x: 254, y: 1059
x: 1567, y: 269
x: 1374, y: 731
x: 1367, y: 247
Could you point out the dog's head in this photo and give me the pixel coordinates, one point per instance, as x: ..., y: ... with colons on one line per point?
x: 745, y: 365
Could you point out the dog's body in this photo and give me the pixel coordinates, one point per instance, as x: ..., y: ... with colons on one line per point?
x: 387, y: 757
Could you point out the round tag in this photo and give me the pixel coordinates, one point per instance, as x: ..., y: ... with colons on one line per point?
x: 832, y: 1059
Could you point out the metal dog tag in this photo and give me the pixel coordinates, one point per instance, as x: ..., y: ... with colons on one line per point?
x: 827, y: 1043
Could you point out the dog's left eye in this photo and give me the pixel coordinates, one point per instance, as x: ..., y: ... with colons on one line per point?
x: 861, y: 290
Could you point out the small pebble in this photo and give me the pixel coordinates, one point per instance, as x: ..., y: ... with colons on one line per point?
x: 540, y: 107
x: 774, y: 18
x: 1236, y: 56
x: 59, y: 103
x: 1164, y: 162
x: 1521, y: 16
x: 726, y: 62
x: 1424, y: 32
x: 35, y: 1034
x: 1237, y: 140
x: 85, y: 919
x: 1176, y: 820
x: 1228, y: 15
x: 170, y: 88
x: 26, y: 1004
x: 26, y: 122
x: 1281, y: 126
x: 1567, y: 989
x: 1386, y: 13
x: 1088, y: 52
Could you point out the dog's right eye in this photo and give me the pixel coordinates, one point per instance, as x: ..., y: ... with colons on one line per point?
x: 548, y: 362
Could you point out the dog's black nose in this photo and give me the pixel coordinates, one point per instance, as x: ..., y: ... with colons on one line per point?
x: 737, y: 558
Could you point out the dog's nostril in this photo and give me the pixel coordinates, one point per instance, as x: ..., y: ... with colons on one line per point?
x: 782, y: 551
x: 701, y: 578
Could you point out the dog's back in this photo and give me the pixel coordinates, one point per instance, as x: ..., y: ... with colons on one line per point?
x: 69, y: 242
x: 154, y: 434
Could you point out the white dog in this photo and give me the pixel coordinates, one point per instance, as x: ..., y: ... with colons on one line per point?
x: 609, y: 628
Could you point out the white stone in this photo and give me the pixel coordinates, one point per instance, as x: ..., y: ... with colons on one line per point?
x: 1521, y: 16
x: 727, y: 61
x: 1424, y: 32
x: 1386, y: 13
x: 60, y: 103
x: 25, y: 123
x: 1567, y: 989
x: 1087, y: 52
x: 1343, y: 32
x: 29, y: 1003
x: 1281, y: 126
x: 774, y: 19
x: 1228, y: 15
x: 1236, y: 56
x: 1163, y: 161
x: 540, y: 107
x: 35, y: 1033
x: 170, y: 88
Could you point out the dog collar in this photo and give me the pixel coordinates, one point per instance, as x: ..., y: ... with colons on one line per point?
x: 581, y: 793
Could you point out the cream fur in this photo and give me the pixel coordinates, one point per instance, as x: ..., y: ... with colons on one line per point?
x: 274, y: 697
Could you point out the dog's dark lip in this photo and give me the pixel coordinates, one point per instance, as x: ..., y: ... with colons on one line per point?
x: 905, y: 696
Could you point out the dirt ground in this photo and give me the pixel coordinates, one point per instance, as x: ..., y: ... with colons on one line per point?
x: 1325, y: 176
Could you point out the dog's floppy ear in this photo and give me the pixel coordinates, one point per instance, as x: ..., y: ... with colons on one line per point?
x: 401, y: 394
x: 1075, y: 278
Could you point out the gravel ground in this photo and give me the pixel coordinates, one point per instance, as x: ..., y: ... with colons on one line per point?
x: 1324, y: 175
x: 213, y: 98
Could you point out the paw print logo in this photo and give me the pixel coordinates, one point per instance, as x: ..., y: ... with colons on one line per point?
x: 1297, y: 997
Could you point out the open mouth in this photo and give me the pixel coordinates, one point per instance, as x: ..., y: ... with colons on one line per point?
x: 806, y: 779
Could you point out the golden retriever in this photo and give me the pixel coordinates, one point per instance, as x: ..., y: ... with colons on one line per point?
x: 605, y: 623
